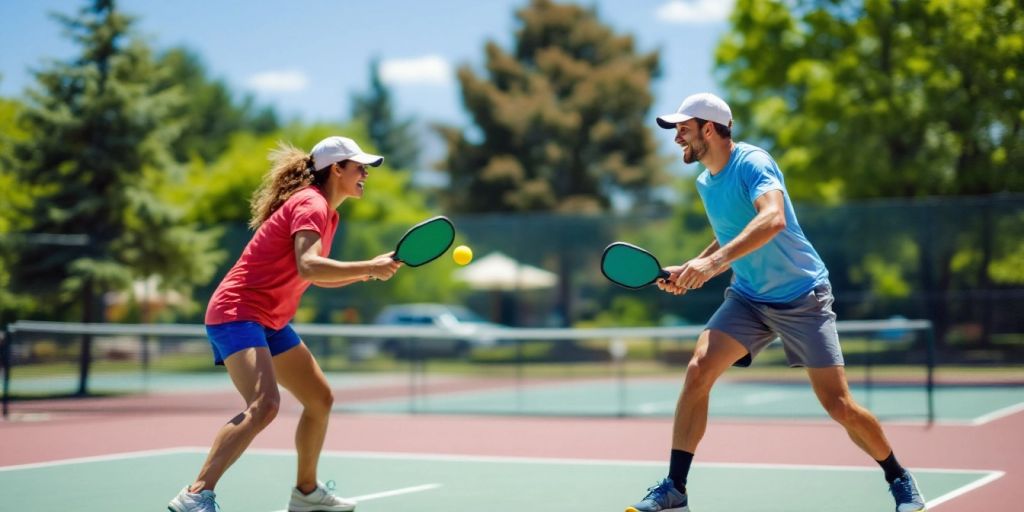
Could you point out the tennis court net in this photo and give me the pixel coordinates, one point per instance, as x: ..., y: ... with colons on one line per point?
x: 624, y: 372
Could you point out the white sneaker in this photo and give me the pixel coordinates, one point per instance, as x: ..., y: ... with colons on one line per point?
x: 202, y: 501
x: 322, y: 499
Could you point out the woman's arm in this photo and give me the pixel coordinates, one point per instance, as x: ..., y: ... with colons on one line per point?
x: 316, y: 268
x: 339, y: 284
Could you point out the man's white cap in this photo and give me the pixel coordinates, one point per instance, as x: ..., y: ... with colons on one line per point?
x: 337, y: 149
x: 703, y: 105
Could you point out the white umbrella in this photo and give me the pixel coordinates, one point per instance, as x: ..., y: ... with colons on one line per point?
x: 497, y: 271
x: 146, y: 291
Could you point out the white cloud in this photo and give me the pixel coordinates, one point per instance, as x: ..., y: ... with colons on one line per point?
x: 426, y: 70
x: 694, y: 11
x: 278, y: 81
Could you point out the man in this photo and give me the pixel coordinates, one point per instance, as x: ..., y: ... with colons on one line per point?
x: 780, y: 288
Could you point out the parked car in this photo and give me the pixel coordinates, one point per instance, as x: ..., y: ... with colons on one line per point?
x: 468, y: 329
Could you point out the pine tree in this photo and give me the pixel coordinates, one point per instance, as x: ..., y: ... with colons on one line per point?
x: 394, y: 138
x: 212, y: 115
x: 99, y: 131
x: 561, y: 118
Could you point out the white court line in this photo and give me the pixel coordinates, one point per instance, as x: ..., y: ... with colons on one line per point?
x: 393, y: 492
x: 100, y: 458
x: 989, y: 475
x: 997, y: 414
x: 653, y: 407
x: 764, y: 397
x: 478, y: 458
x: 992, y: 477
x: 591, y: 462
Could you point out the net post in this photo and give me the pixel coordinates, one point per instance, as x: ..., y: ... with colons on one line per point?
x: 930, y: 372
x: 5, y: 356
x: 868, y: 362
x: 411, y: 353
x: 618, y: 349
x: 519, y: 374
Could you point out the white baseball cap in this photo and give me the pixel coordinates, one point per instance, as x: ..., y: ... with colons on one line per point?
x: 337, y: 149
x: 703, y: 105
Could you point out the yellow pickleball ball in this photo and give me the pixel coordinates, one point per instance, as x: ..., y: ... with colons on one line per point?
x: 462, y: 255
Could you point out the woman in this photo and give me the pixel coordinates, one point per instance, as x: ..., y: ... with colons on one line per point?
x: 294, y: 214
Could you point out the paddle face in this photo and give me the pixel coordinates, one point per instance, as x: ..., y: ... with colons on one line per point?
x: 425, y: 241
x: 630, y: 266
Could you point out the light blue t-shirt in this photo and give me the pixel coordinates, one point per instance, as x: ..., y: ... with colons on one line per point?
x: 787, y: 266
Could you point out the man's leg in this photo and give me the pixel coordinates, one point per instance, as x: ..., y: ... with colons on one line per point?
x: 715, y: 353
x: 863, y: 428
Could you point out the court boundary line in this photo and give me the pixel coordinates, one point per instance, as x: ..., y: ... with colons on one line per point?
x: 388, y: 494
x: 98, y: 458
x: 956, y: 493
x: 998, y: 414
x: 989, y: 475
x: 476, y: 458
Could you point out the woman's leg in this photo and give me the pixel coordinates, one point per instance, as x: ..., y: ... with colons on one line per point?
x: 299, y: 373
x: 252, y: 372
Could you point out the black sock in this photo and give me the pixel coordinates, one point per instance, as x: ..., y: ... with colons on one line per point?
x: 892, y: 468
x: 678, y: 468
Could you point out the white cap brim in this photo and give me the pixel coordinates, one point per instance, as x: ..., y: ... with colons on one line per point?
x: 367, y: 159
x: 669, y: 121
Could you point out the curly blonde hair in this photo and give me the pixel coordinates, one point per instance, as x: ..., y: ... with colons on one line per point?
x: 292, y: 170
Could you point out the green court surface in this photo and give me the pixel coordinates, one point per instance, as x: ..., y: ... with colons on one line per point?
x: 261, y: 480
x: 961, y: 404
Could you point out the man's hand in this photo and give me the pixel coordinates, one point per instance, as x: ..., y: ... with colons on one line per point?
x: 694, y: 273
x: 668, y: 284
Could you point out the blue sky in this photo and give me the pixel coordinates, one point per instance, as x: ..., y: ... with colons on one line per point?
x: 308, y: 57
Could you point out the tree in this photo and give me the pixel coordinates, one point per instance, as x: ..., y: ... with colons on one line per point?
x: 211, y: 115
x: 560, y: 119
x: 99, y: 126
x: 863, y: 99
x: 14, y: 197
x: 395, y: 139
x: 881, y: 99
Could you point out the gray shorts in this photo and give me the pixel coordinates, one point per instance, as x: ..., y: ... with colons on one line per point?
x: 806, y: 325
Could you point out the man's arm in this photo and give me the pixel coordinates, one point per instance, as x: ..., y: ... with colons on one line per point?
x: 668, y: 284
x: 712, y: 247
x: 710, y: 250
x: 769, y: 221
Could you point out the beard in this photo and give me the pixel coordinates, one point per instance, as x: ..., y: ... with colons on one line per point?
x: 695, y: 150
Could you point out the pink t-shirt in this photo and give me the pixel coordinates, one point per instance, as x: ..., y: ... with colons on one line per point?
x: 264, y: 284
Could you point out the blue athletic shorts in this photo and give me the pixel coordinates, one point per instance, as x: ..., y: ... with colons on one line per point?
x: 231, y: 337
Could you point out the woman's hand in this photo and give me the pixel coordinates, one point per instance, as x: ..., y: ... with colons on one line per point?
x: 383, y: 267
